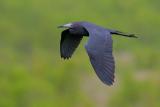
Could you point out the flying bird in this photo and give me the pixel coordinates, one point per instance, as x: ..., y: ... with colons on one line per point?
x: 98, y: 47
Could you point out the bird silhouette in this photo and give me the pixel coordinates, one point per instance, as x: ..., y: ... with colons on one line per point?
x: 98, y: 47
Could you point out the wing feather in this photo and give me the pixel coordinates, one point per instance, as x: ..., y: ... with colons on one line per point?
x: 68, y: 43
x: 99, y: 49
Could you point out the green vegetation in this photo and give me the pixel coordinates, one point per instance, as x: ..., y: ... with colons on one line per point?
x: 32, y: 74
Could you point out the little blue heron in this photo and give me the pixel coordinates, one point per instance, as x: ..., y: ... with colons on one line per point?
x: 98, y: 47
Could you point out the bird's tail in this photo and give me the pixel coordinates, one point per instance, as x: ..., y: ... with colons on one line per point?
x: 123, y: 34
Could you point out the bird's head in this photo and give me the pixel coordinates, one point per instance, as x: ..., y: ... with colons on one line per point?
x: 75, y: 28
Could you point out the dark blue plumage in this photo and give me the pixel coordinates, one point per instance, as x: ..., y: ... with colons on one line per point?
x: 98, y: 47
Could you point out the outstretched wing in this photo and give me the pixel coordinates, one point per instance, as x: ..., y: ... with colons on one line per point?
x: 99, y: 49
x: 68, y: 43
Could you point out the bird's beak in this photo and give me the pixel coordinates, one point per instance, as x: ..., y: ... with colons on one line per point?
x: 65, y: 26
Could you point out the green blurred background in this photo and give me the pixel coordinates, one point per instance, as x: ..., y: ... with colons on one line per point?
x: 32, y: 74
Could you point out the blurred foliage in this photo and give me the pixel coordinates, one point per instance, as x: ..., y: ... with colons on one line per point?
x: 32, y: 74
